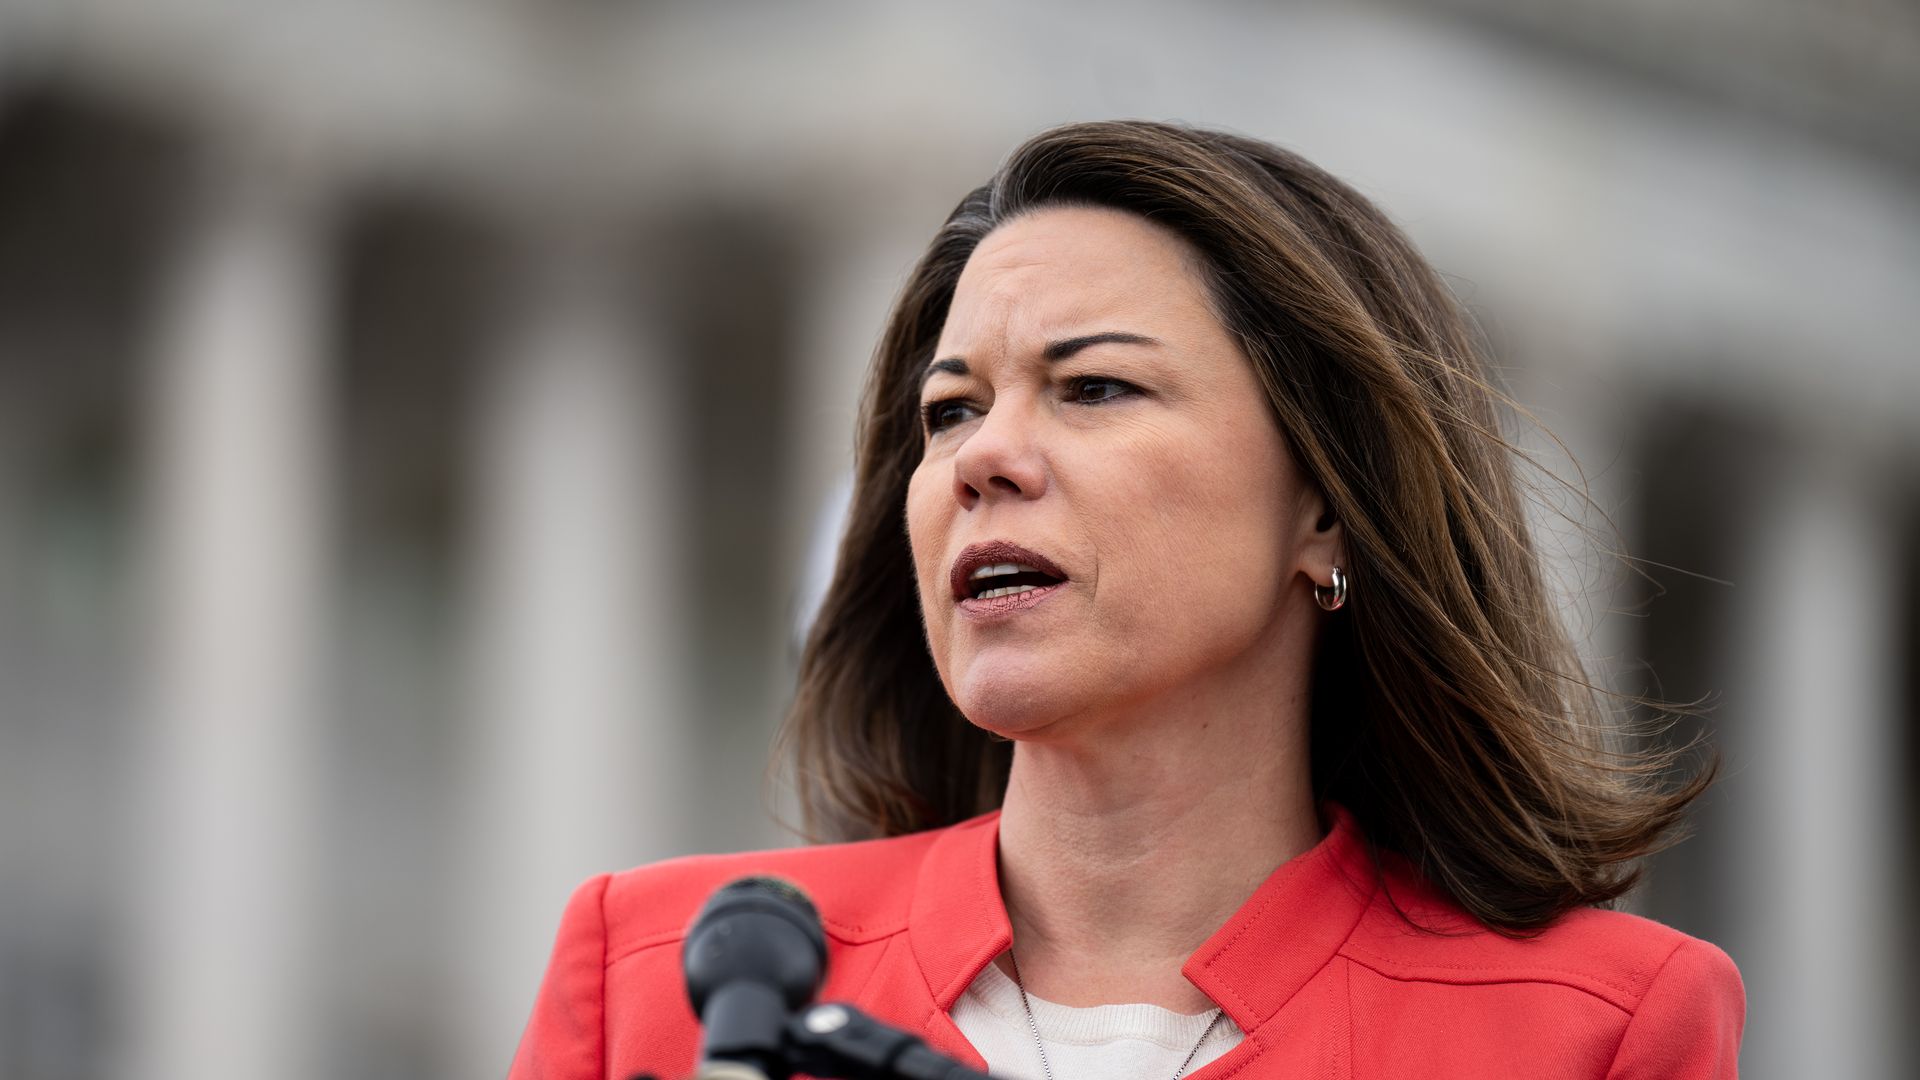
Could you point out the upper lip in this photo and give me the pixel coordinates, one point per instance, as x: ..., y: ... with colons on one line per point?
x: 974, y: 556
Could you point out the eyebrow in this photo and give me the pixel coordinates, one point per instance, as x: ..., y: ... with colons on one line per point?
x: 1055, y: 350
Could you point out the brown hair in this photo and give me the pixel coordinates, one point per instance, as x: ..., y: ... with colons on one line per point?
x: 1450, y: 711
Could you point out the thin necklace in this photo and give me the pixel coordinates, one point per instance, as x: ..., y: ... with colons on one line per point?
x: 1047, y: 1070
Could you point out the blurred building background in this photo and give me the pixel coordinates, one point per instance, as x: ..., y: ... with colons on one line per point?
x: 418, y: 420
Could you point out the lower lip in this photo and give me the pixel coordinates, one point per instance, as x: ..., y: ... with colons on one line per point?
x: 1007, y: 605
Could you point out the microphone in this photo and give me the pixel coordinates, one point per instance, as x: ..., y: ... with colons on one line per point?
x: 754, y: 956
x: 754, y: 960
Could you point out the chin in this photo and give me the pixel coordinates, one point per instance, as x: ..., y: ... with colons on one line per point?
x: 1012, y: 700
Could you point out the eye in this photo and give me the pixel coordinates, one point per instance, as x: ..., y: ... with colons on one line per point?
x: 939, y: 415
x: 1094, y: 389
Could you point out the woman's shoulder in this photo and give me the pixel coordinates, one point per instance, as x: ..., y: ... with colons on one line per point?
x: 1412, y: 932
x: 613, y: 985
x: 863, y: 890
x: 1627, y: 997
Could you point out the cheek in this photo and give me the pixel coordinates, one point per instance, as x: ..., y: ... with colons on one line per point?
x: 1203, y: 537
x: 927, y: 528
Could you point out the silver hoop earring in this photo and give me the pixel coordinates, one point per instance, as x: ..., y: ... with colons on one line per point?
x: 1332, y: 597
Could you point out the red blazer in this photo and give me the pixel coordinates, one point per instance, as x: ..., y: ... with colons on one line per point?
x: 1327, y: 980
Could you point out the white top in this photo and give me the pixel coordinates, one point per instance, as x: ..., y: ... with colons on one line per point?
x: 1123, y: 1042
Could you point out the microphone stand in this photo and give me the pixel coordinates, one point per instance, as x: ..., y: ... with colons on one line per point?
x: 840, y: 1041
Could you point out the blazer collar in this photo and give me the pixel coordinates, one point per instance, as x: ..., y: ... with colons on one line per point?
x: 1287, y: 930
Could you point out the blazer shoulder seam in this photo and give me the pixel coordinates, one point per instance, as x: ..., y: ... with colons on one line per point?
x: 1635, y: 1014
x: 675, y: 937
x: 1461, y: 974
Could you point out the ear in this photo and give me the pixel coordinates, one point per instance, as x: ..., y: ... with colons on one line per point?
x: 1321, y: 541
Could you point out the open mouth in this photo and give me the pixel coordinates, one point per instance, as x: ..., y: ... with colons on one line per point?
x: 998, y: 569
x: 1007, y: 579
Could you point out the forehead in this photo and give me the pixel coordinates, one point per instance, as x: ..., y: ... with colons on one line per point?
x: 1061, y: 270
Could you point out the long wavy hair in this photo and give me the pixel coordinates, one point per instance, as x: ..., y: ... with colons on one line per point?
x: 1450, y: 711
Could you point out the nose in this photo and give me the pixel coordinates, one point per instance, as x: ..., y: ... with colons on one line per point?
x: 1002, y: 457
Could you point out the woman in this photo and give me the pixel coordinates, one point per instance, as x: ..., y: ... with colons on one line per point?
x: 1209, y: 716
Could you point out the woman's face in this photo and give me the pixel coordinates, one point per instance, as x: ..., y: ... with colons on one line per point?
x: 1105, y: 513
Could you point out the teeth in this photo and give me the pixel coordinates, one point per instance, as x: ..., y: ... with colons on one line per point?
x: 1010, y: 590
x: 1001, y: 570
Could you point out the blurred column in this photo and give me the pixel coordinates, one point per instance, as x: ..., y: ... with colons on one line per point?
x: 577, y: 745
x: 224, y: 902
x: 1814, y: 750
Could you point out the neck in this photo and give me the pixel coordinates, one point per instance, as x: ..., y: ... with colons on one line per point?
x: 1122, y: 851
